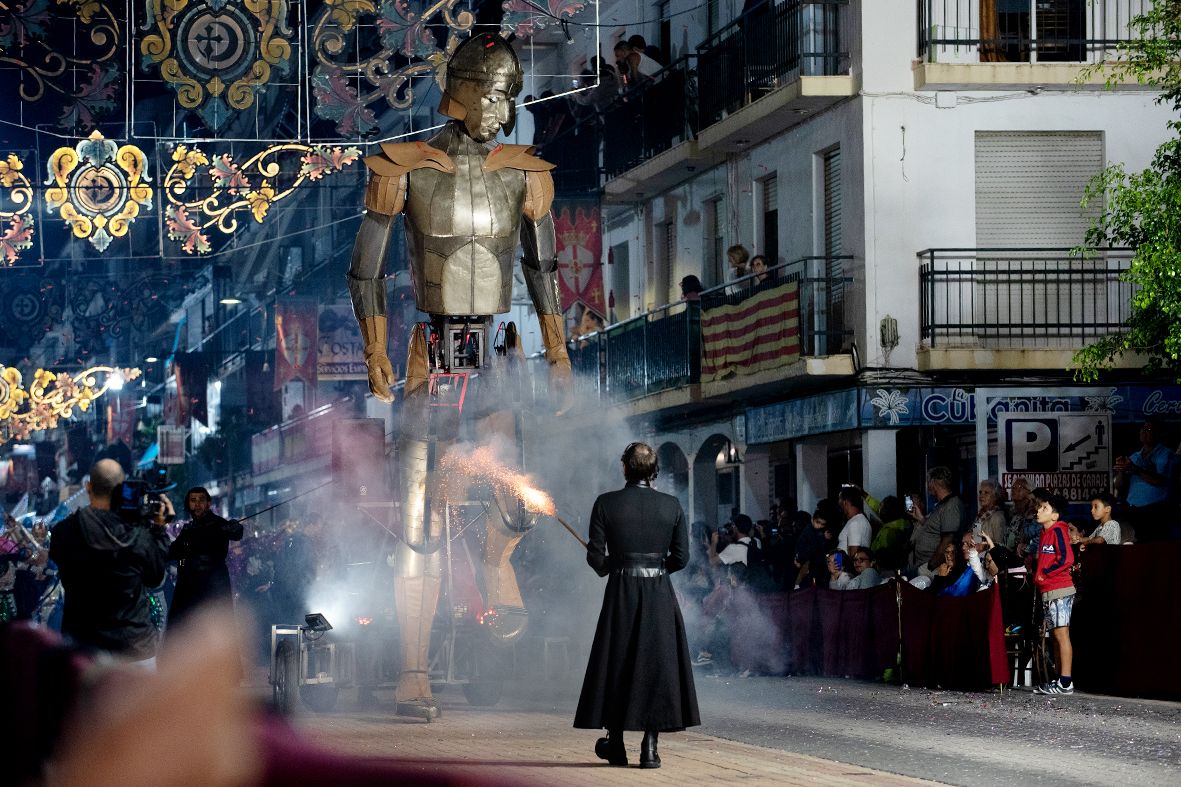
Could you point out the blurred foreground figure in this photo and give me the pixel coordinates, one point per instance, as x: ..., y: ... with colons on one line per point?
x: 98, y: 723
x: 639, y: 676
x: 468, y: 204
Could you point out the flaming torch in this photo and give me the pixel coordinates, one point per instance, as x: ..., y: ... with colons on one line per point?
x: 481, y: 463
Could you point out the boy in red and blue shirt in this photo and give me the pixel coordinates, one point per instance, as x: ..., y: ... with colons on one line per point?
x: 1052, y: 578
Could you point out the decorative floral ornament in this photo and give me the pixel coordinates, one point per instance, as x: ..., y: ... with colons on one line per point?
x: 217, y: 54
x: 890, y: 404
x: 69, y: 55
x: 51, y: 397
x: 254, y: 185
x: 1104, y: 402
x: 98, y: 188
x: 524, y: 18
x: 381, y: 66
x: 16, y: 202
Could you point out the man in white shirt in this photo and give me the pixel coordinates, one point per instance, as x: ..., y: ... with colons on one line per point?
x: 739, y: 550
x: 857, y: 532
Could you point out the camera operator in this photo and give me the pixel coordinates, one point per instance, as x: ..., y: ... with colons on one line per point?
x: 107, y: 563
x: 200, y: 550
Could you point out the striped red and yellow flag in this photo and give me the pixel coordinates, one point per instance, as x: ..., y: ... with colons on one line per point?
x: 760, y: 332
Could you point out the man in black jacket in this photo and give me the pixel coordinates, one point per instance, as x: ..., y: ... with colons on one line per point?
x: 639, y: 675
x: 106, y: 566
x: 201, y: 548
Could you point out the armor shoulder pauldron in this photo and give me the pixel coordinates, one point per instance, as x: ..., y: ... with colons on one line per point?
x: 515, y: 157
x: 386, y: 192
x: 398, y: 158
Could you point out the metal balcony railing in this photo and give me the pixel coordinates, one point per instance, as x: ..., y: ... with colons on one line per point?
x: 1021, y: 298
x: 660, y: 350
x: 767, y: 46
x: 1024, y: 31
x: 647, y: 119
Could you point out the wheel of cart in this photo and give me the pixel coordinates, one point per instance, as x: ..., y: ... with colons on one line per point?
x: 285, y: 671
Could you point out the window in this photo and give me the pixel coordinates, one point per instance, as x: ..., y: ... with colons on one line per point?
x: 668, y: 262
x: 770, y: 245
x: 715, y: 242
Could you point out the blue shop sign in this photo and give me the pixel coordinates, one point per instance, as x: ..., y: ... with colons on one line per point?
x: 888, y: 407
x: 832, y: 412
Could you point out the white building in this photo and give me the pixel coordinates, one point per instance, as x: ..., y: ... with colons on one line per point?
x: 917, y: 168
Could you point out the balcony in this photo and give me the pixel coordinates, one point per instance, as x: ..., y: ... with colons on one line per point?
x: 1017, y: 308
x: 765, y: 72
x: 1016, y: 44
x: 738, y: 339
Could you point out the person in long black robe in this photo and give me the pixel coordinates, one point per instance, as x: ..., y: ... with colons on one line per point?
x: 200, y: 550
x: 640, y: 674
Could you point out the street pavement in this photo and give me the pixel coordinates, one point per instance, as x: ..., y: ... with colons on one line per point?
x: 764, y: 730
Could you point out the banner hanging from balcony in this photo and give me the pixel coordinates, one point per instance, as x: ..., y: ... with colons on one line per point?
x: 296, y: 331
x: 580, y: 263
x: 759, y: 332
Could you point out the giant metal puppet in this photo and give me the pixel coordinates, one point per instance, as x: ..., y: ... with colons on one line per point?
x: 467, y: 203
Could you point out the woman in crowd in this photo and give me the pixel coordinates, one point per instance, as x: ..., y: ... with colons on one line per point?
x: 838, y: 577
x: 990, y: 520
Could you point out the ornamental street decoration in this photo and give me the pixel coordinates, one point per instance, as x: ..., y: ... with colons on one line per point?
x: 368, y: 51
x: 206, y: 193
x: 67, y: 54
x: 16, y: 217
x: 104, y: 307
x: 51, y: 397
x: 217, y: 54
x: 521, y: 17
x: 99, y: 188
x: 31, y: 306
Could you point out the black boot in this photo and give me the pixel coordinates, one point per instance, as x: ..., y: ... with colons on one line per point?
x: 649, y: 757
x: 611, y: 748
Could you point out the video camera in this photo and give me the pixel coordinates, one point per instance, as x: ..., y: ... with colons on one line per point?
x: 140, y: 499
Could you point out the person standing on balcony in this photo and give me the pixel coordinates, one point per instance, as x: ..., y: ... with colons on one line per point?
x: 691, y: 289
x: 738, y: 257
x: 1144, y: 481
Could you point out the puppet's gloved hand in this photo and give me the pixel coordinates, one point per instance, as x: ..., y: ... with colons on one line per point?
x: 381, y: 373
x: 553, y: 336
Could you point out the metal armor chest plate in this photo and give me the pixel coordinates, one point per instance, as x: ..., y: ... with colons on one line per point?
x: 463, y: 230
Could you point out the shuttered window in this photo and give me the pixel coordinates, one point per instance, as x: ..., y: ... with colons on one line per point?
x: 770, y: 248
x: 668, y: 260
x: 1028, y: 188
x: 1029, y: 185
x: 832, y: 203
x: 714, y: 242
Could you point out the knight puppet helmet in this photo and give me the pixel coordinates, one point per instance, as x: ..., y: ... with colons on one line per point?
x: 482, y: 65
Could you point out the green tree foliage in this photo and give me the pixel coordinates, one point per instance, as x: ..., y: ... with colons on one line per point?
x: 1142, y: 210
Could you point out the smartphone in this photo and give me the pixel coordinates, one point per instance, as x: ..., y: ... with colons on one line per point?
x: 909, y: 501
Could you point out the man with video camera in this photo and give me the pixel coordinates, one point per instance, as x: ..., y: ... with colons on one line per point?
x: 109, y: 554
x: 200, y: 549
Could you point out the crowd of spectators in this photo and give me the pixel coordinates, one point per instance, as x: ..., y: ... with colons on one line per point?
x: 1026, y: 542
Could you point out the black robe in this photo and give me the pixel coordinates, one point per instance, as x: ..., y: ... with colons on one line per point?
x: 640, y: 673
x: 201, y: 574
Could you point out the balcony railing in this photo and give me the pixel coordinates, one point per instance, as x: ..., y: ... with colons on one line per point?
x: 647, y: 119
x: 1021, y: 298
x: 1024, y: 31
x: 767, y: 46
x: 661, y: 350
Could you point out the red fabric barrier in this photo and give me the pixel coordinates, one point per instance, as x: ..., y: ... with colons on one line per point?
x: 945, y: 641
x: 1122, y: 628
x: 953, y: 642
